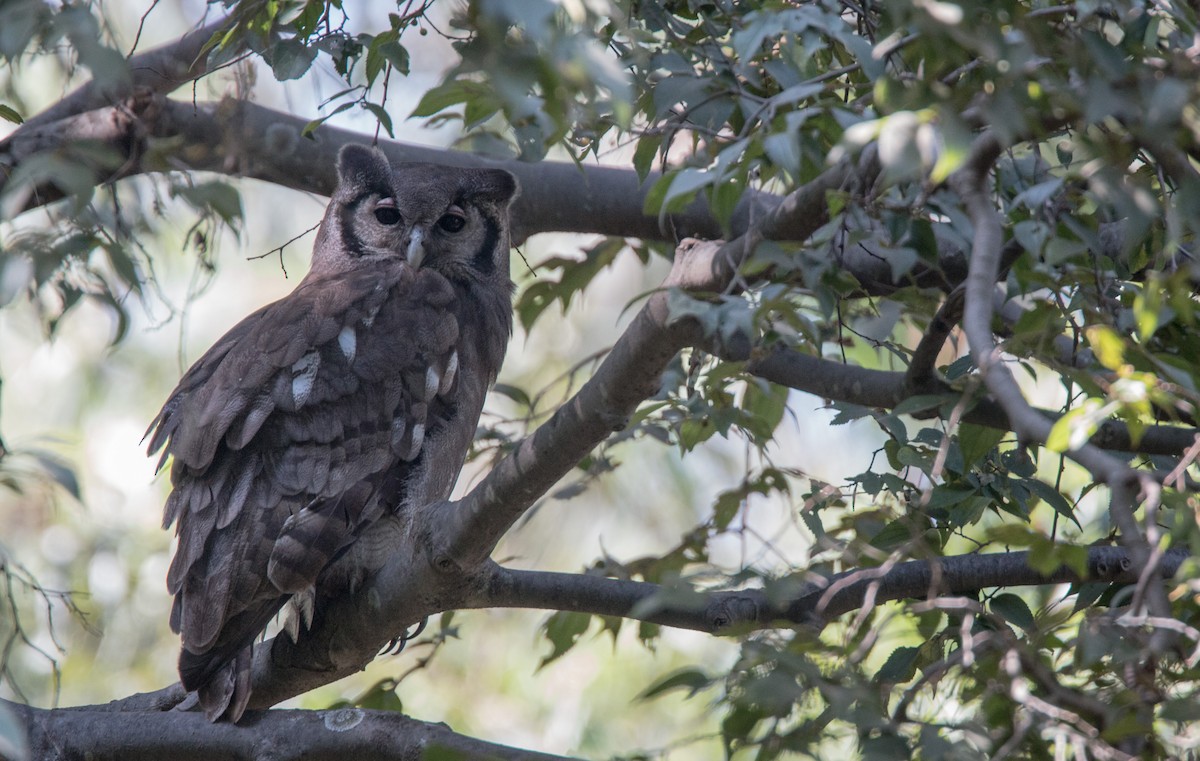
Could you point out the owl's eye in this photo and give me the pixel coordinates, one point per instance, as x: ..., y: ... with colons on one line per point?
x: 386, y: 213
x: 452, y: 222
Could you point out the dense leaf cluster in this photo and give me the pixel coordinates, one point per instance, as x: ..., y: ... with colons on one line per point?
x: 734, y: 105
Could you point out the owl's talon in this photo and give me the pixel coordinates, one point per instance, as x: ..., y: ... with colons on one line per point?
x: 396, y: 646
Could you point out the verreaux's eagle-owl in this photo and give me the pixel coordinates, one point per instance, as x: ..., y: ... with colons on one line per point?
x: 353, y: 397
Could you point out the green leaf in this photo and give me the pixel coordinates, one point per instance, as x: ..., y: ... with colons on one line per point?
x: 900, y: 666
x: 920, y: 403
x: 1013, y: 609
x: 449, y: 94
x: 1052, y: 497
x: 291, y: 59
x: 682, y: 188
x: 765, y: 406
x: 312, y: 126
x: 381, y: 696
x: 1184, y: 710
x: 58, y: 470
x: 20, y: 22
x: 1013, y: 535
x: 959, y: 367
x: 1077, y: 426
x: 1126, y: 724
x: 693, y: 431
x: 576, y: 276
x: 1108, y: 346
x: 644, y: 155
x: 10, y: 114
x: 563, y: 630
x: 692, y: 680
x: 740, y: 722
x: 221, y: 198
x: 893, y: 535
x: 385, y: 119
x: 976, y: 441
x: 518, y: 395
x: 1035, y: 197
x: 1046, y: 557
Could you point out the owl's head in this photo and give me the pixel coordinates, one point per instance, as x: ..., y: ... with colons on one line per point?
x: 450, y: 219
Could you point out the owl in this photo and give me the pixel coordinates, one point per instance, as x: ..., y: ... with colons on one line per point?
x: 351, y: 399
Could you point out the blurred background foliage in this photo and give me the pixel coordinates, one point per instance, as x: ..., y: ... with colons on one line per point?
x: 723, y: 480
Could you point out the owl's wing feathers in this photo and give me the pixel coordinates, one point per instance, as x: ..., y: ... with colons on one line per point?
x: 289, y: 436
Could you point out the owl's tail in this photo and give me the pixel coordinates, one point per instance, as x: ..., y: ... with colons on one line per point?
x: 223, y: 687
x: 219, y: 673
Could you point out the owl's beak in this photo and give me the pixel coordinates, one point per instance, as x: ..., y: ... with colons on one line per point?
x: 416, y: 248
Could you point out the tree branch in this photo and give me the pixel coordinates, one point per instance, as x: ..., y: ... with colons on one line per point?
x: 150, y: 133
x: 984, y: 268
x: 278, y: 735
x: 160, y: 70
x: 922, y: 368
x: 885, y: 389
x: 1124, y: 483
x: 816, y: 602
x: 629, y: 374
x: 241, y: 138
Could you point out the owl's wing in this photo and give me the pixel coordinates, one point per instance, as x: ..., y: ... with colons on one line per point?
x: 293, y: 433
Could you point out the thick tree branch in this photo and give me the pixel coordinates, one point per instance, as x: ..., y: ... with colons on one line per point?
x: 149, y: 133
x: 816, y: 602
x: 279, y: 735
x: 144, y: 134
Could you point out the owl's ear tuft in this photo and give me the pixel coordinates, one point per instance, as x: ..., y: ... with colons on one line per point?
x: 362, y: 169
x: 497, y: 185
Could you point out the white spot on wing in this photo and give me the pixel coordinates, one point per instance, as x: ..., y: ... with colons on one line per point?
x: 348, y: 343
x: 432, y: 382
x: 451, y: 371
x: 418, y: 437
x: 398, y: 428
x: 241, y: 490
x: 304, y: 375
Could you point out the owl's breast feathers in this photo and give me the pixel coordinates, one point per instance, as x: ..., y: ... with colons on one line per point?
x: 297, y: 430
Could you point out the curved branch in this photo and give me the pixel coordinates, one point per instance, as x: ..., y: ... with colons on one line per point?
x: 984, y: 268
x: 630, y: 374
x: 885, y: 389
x: 818, y: 601
x: 1124, y: 483
x: 290, y: 735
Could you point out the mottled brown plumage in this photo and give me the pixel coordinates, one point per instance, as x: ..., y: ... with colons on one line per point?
x: 352, y: 398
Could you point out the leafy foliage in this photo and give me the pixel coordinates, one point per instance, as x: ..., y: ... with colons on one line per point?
x: 728, y: 102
